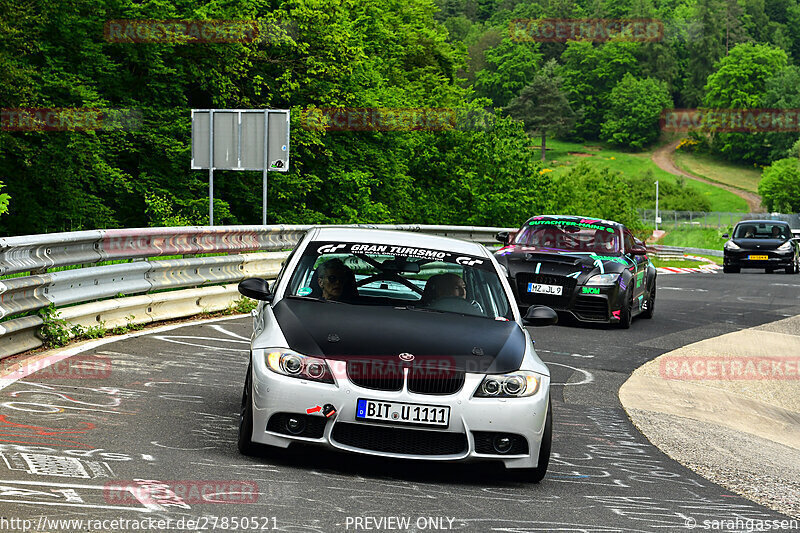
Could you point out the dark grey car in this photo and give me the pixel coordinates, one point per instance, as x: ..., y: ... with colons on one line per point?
x: 766, y: 244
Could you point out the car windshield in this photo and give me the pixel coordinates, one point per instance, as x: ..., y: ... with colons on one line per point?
x: 416, y: 279
x: 762, y: 230
x: 570, y: 235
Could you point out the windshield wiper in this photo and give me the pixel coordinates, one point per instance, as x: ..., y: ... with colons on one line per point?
x: 415, y: 308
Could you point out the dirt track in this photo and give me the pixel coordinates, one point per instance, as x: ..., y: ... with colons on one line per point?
x: 662, y: 157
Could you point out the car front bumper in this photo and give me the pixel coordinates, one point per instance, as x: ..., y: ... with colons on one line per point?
x: 277, y: 397
x: 741, y: 259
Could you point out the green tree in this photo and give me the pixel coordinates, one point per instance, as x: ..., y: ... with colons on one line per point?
x: 740, y: 82
x: 510, y: 67
x: 590, y: 73
x: 780, y: 186
x: 4, y: 199
x: 542, y: 106
x: 705, y: 47
x: 782, y: 92
x: 635, y: 106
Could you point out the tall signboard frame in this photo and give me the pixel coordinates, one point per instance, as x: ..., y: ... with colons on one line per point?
x: 240, y: 139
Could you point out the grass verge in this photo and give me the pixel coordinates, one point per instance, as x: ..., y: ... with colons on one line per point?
x: 713, y: 169
x: 563, y: 154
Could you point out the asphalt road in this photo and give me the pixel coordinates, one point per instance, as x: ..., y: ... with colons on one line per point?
x: 167, y: 408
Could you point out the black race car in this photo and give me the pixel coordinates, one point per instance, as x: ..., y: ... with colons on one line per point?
x: 593, y: 269
x: 766, y: 244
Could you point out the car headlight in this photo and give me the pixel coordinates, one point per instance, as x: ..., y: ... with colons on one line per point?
x: 785, y: 247
x: 294, y: 365
x: 515, y: 385
x: 602, y: 279
x: 730, y: 245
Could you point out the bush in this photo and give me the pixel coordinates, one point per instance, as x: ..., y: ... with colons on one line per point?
x: 635, y: 107
x: 780, y: 186
x: 595, y: 192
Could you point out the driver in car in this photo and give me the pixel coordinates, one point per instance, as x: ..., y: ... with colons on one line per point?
x: 337, y: 281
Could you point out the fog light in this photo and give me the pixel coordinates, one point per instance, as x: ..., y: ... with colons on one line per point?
x: 502, y: 444
x: 295, y: 426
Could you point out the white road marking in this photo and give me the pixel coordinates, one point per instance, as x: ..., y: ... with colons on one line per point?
x: 66, y: 353
x: 585, y: 381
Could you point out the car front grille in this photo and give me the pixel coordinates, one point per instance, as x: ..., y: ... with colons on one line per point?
x: 435, y: 381
x: 385, y: 375
x: 589, y: 308
x: 375, y: 374
x: 399, y: 440
x: 556, y: 302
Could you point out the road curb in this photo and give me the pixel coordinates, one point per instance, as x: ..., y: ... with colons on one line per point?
x: 756, y: 409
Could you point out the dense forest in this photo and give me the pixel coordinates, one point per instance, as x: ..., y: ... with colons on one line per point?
x: 462, y: 55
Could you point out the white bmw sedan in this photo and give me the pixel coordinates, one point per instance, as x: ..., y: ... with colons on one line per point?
x: 396, y: 345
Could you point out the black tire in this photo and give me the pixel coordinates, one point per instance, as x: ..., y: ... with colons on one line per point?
x: 769, y: 270
x: 794, y: 268
x: 245, y: 441
x: 651, y: 303
x: 730, y: 269
x: 536, y: 475
x: 626, y: 313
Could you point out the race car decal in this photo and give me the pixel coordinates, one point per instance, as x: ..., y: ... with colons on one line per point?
x: 574, y: 274
x: 407, y: 252
x: 612, y: 258
x: 570, y: 223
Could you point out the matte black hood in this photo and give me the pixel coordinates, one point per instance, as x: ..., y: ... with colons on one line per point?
x: 337, y: 330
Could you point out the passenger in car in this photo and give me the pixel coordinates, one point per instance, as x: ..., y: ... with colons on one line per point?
x: 444, y: 286
x: 337, y: 281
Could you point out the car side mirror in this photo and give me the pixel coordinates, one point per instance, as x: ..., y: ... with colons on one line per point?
x: 502, y: 236
x: 725, y: 236
x: 638, y: 250
x: 540, y: 315
x: 255, y: 288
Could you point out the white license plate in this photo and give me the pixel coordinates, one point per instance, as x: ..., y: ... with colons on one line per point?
x: 541, y: 288
x: 403, y: 413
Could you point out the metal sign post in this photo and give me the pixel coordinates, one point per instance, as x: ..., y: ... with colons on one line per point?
x: 240, y: 139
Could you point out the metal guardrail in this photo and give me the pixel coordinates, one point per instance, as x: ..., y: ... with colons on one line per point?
x: 108, y: 287
x: 666, y: 252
